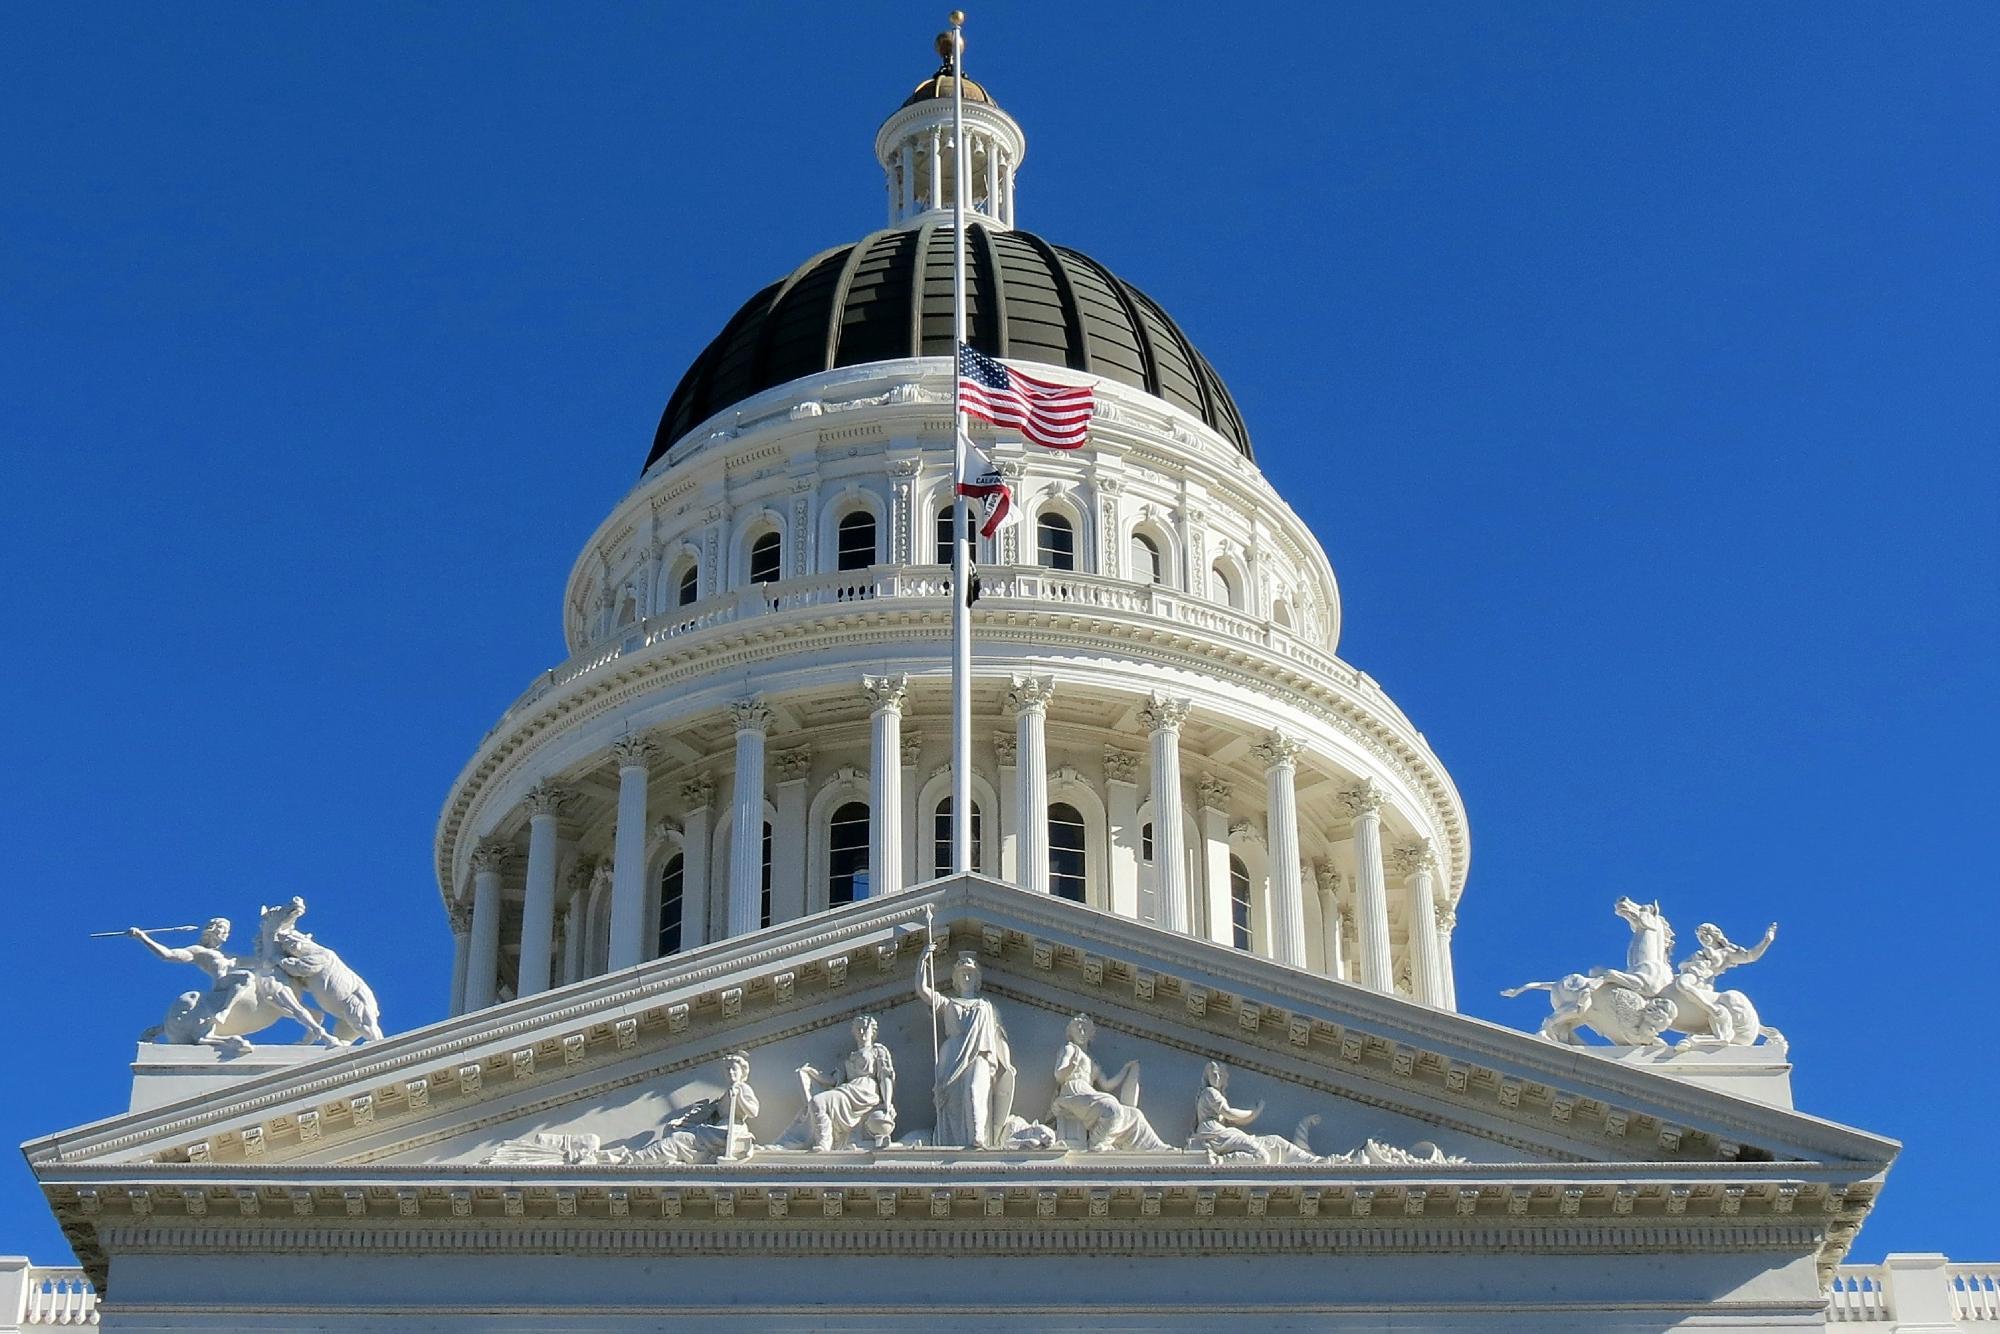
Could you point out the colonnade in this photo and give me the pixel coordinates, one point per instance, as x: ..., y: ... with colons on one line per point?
x: 1024, y: 814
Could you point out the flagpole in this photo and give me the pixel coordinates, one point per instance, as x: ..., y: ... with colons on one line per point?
x: 961, y: 573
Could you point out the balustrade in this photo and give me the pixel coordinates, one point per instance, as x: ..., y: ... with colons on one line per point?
x: 58, y: 1296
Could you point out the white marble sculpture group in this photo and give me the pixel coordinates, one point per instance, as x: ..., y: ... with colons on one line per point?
x: 285, y: 976
x: 1634, y: 1005
x: 973, y: 1092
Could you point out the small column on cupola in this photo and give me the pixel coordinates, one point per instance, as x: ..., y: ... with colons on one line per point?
x: 919, y: 159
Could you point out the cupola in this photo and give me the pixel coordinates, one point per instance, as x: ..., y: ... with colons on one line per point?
x: 919, y: 159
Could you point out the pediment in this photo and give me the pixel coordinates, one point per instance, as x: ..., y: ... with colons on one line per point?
x: 617, y: 1056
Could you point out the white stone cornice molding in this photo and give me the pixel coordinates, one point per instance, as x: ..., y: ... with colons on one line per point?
x: 489, y: 856
x: 794, y: 766
x: 1214, y: 793
x: 1165, y: 714
x: 886, y: 692
x: 1278, y: 750
x: 1030, y: 694
x: 696, y: 793
x: 634, y: 751
x: 1120, y: 766
x: 1362, y: 799
x: 546, y: 798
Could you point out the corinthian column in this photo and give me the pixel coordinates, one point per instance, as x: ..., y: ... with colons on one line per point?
x: 1215, y: 795
x: 482, y: 961
x: 538, y: 909
x: 746, y: 829
x: 633, y: 755
x: 1163, y: 718
x: 1330, y: 912
x: 1028, y: 701
x: 697, y: 794
x: 1371, y: 894
x: 886, y: 697
x: 1280, y: 754
x: 1447, y: 922
x: 1418, y: 866
x: 461, y: 950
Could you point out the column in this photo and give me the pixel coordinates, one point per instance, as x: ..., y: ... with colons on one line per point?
x: 1280, y: 754
x: 1121, y: 803
x: 992, y: 179
x: 1028, y: 701
x: 1417, y: 864
x: 937, y: 169
x: 1334, y: 946
x: 538, y: 908
x: 912, y: 822
x: 906, y: 188
x: 1214, y: 794
x: 461, y: 946
x: 1163, y: 718
x: 1447, y: 922
x: 788, y: 855
x: 482, y: 960
x: 746, y: 821
x: 575, y: 921
x: 633, y: 754
x: 1005, y: 753
x: 697, y: 798
x: 1371, y: 895
x: 886, y: 696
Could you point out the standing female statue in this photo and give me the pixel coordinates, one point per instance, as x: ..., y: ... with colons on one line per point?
x: 862, y: 1097
x: 975, y: 1068
x: 1095, y: 1113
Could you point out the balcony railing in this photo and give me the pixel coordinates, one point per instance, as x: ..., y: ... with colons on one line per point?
x: 58, y: 1297
x: 1000, y: 587
x: 1889, y: 1293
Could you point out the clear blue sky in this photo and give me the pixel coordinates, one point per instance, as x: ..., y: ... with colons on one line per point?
x: 1635, y: 363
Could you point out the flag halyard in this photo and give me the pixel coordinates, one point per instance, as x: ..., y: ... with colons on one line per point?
x: 1055, y: 416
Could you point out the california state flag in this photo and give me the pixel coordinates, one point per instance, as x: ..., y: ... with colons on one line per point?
x: 984, y: 484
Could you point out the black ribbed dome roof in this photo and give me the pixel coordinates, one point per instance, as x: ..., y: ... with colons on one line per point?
x: 888, y: 296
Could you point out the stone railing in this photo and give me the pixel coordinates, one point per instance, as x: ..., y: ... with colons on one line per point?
x: 32, y: 1295
x: 1925, y: 1292
x: 999, y: 586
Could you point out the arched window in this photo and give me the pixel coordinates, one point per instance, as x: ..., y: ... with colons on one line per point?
x: 628, y: 610
x: 941, y: 839
x: 690, y: 587
x: 1146, y: 841
x: 944, y: 534
x: 1239, y: 903
x: 1223, y: 590
x: 1281, y: 612
x: 767, y: 558
x: 1055, y: 541
x: 1146, y: 564
x: 855, y: 542
x: 1068, y: 865
x: 673, y: 904
x: 847, y: 854
x: 764, y: 898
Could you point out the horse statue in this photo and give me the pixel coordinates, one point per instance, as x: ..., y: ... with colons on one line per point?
x: 1624, y: 1006
x: 337, y: 989
x: 248, y: 995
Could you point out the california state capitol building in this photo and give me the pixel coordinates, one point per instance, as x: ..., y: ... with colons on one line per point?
x: 733, y: 1045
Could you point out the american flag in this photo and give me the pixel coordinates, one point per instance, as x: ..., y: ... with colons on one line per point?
x: 1051, y: 414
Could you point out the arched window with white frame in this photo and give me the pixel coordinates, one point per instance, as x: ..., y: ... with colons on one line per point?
x: 847, y: 854
x: 854, y: 541
x: 941, y: 542
x: 1242, y: 928
x: 1055, y: 540
x: 672, y: 903
x: 1148, y: 566
x: 767, y: 557
x: 1069, y: 853
x: 1226, y: 585
x: 941, y: 838
x: 687, y: 585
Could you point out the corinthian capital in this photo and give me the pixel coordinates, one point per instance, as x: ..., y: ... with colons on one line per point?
x: 546, y: 798
x: 460, y: 913
x: 1327, y: 874
x: 794, y: 765
x: 1030, y: 694
x: 635, y: 751
x: 1005, y: 744
x: 489, y: 856
x: 912, y: 746
x: 886, y: 692
x: 1363, y: 799
x: 1214, y: 792
x: 1120, y: 766
x: 1278, y: 750
x: 697, y: 792
x: 750, y: 715
x: 1164, y: 714
x: 1413, y: 858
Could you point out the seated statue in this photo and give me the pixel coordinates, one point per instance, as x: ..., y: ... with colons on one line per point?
x: 1217, y: 1126
x: 1092, y: 1112
x: 857, y: 1106
x: 711, y: 1130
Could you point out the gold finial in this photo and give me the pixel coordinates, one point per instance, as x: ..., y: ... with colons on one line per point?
x: 957, y: 19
